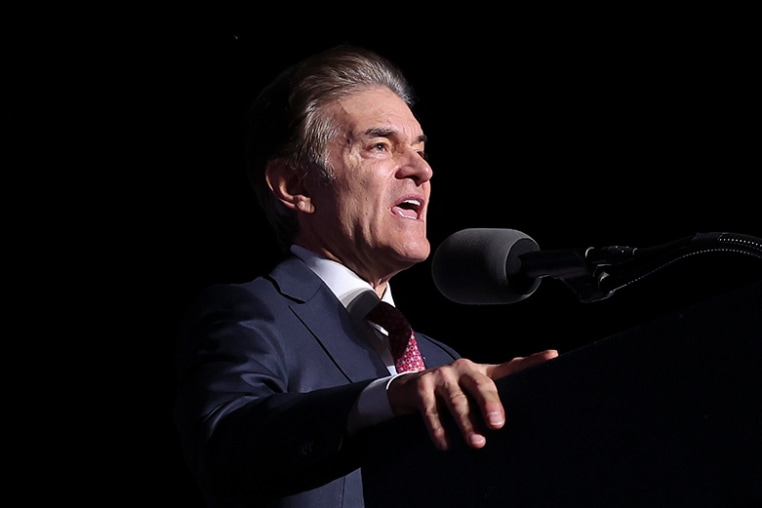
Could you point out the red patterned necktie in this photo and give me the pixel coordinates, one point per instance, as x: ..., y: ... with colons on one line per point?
x: 402, y: 341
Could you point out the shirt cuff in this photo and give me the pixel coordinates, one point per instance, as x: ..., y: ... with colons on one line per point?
x: 372, y: 405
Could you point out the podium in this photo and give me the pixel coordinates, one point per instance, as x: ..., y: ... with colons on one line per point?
x: 666, y: 414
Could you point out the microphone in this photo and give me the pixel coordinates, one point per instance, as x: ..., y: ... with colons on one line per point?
x: 484, y: 266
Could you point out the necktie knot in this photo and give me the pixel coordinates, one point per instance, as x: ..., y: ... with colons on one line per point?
x: 402, y: 343
x: 388, y: 316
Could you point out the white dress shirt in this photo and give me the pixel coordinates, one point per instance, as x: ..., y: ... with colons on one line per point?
x: 373, y: 405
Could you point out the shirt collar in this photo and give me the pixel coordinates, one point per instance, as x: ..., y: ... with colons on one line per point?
x: 349, y: 288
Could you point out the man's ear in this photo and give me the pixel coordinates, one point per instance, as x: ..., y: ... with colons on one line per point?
x: 287, y: 183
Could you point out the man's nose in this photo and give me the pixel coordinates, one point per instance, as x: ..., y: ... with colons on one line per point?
x: 415, y: 166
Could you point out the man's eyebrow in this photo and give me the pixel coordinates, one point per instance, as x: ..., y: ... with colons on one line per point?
x: 383, y: 132
x: 379, y: 132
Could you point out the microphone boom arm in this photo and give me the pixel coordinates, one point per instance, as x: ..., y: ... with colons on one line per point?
x: 600, y: 272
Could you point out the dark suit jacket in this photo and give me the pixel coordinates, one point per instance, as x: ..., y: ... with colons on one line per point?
x: 268, y: 373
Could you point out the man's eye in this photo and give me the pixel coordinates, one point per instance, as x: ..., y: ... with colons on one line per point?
x: 379, y: 146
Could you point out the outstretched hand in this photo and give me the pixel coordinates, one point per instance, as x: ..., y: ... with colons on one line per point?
x: 465, y: 389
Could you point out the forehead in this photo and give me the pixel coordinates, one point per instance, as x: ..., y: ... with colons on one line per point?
x: 375, y: 108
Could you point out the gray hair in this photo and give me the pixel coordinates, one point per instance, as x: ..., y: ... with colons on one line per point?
x: 287, y: 120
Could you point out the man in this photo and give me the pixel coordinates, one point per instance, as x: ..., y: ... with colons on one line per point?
x: 278, y: 377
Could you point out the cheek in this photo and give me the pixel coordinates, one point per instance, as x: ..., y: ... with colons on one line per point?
x: 359, y: 193
x: 358, y: 209
x: 359, y: 190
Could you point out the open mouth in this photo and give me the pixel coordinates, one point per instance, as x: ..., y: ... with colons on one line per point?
x: 408, y: 208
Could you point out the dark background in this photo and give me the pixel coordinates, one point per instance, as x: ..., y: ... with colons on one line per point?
x: 579, y: 131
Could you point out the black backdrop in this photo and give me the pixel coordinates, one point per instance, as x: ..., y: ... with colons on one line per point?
x: 579, y: 134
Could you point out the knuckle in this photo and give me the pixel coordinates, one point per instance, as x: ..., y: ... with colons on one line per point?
x: 458, y: 401
x: 462, y: 363
x: 431, y: 413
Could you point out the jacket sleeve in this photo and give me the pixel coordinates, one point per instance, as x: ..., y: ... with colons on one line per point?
x: 246, y: 423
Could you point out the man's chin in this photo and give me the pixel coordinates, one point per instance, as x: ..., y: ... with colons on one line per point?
x: 416, y: 253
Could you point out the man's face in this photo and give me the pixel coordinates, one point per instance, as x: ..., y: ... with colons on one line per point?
x: 373, y: 217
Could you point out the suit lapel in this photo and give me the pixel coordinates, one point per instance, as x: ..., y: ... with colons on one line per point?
x: 327, y: 320
x: 433, y: 354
